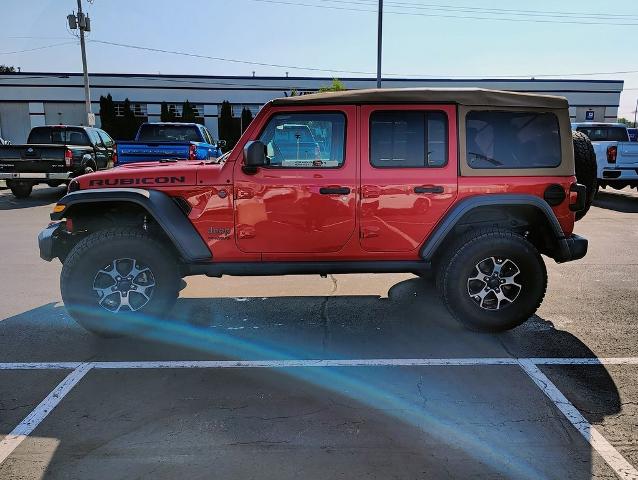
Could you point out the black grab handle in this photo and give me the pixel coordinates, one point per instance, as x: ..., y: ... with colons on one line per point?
x: 429, y: 189
x: 334, y: 190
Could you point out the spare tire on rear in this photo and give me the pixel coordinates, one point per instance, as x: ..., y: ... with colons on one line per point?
x: 586, y: 169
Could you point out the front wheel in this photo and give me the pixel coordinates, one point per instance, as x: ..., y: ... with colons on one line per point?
x: 495, y: 281
x: 119, y: 281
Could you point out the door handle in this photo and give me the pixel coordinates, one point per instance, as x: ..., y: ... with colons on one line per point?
x: 334, y: 190
x: 429, y: 189
x: 368, y: 191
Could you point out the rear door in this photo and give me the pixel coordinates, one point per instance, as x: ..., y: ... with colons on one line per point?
x: 101, y: 152
x: 109, y: 143
x: 408, y: 174
x: 305, y: 200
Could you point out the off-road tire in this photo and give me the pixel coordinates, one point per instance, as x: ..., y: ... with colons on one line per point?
x: 458, y: 266
x: 586, y: 169
x: 21, y: 189
x: 97, y: 251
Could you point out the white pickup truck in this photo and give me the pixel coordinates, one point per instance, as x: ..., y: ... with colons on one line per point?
x: 616, y: 156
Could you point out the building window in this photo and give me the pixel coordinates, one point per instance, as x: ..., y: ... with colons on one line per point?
x: 175, y: 109
x: 139, y: 109
x: 198, y: 109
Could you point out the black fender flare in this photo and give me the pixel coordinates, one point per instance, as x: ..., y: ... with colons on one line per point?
x: 445, y: 226
x: 160, y: 206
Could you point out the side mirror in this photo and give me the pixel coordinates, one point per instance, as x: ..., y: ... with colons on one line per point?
x: 254, y: 157
x: 221, y: 143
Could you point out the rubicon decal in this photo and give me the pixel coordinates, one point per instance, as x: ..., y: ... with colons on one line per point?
x: 113, y: 182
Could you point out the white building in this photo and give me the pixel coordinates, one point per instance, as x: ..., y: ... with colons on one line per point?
x: 31, y: 99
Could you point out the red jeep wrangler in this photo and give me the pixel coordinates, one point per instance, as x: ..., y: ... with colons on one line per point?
x: 472, y: 184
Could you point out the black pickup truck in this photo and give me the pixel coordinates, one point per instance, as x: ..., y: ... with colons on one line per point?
x: 54, y: 155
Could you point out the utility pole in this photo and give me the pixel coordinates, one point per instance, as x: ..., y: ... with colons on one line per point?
x: 379, y: 42
x: 636, y: 114
x: 83, y: 23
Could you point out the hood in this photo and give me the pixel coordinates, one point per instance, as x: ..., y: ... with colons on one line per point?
x: 143, y: 175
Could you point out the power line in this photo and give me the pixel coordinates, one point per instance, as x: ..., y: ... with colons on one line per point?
x: 439, y: 15
x: 333, y: 70
x: 222, y: 59
x: 298, y: 67
x: 493, y: 11
x: 37, y: 48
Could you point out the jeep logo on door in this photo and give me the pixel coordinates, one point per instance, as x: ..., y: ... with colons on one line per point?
x: 114, y: 182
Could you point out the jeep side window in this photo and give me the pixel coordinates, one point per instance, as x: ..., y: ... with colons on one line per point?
x: 499, y: 139
x: 305, y: 140
x: 408, y: 139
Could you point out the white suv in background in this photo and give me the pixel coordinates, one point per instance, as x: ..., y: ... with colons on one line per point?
x: 616, y: 156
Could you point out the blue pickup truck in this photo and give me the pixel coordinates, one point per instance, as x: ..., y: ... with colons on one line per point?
x: 163, y: 140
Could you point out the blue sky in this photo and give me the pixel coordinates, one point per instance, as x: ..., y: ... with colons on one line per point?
x: 342, y: 37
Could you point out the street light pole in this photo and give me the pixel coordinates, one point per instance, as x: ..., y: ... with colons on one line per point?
x: 636, y: 114
x: 379, y: 42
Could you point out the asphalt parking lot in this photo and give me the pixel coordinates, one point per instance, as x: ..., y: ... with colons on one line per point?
x: 360, y: 376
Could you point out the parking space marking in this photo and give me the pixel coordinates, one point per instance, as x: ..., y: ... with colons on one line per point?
x: 529, y: 365
x: 612, y: 456
x: 9, y: 443
x: 291, y: 363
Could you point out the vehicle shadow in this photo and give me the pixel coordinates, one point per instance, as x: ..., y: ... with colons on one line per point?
x: 624, y: 201
x: 446, y: 422
x: 39, y: 197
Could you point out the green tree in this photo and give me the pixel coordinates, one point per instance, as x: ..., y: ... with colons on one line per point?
x: 166, y: 114
x: 108, y: 120
x: 7, y: 69
x: 229, y: 126
x: 629, y: 123
x: 246, y: 118
x: 128, y: 122
x: 188, y: 113
x: 336, y: 86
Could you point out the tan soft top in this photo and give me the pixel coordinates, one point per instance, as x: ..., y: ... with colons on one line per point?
x: 461, y: 96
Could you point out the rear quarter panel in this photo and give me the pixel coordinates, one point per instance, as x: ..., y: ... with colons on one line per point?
x: 472, y: 186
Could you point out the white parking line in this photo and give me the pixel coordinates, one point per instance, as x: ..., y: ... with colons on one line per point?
x: 31, y: 421
x: 612, y: 456
x: 530, y: 365
x: 363, y: 362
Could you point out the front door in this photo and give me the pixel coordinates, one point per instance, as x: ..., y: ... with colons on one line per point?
x: 305, y: 200
x: 408, y: 174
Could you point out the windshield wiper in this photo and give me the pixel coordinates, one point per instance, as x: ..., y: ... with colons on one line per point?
x: 218, y: 159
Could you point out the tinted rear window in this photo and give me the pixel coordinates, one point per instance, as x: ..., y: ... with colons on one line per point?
x: 63, y: 136
x: 169, y: 133
x: 512, y: 140
x: 408, y: 139
x: 605, y: 134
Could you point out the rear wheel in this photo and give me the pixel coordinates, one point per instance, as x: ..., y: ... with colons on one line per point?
x: 495, y: 280
x: 586, y: 169
x: 20, y: 189
x: 119, y: 281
